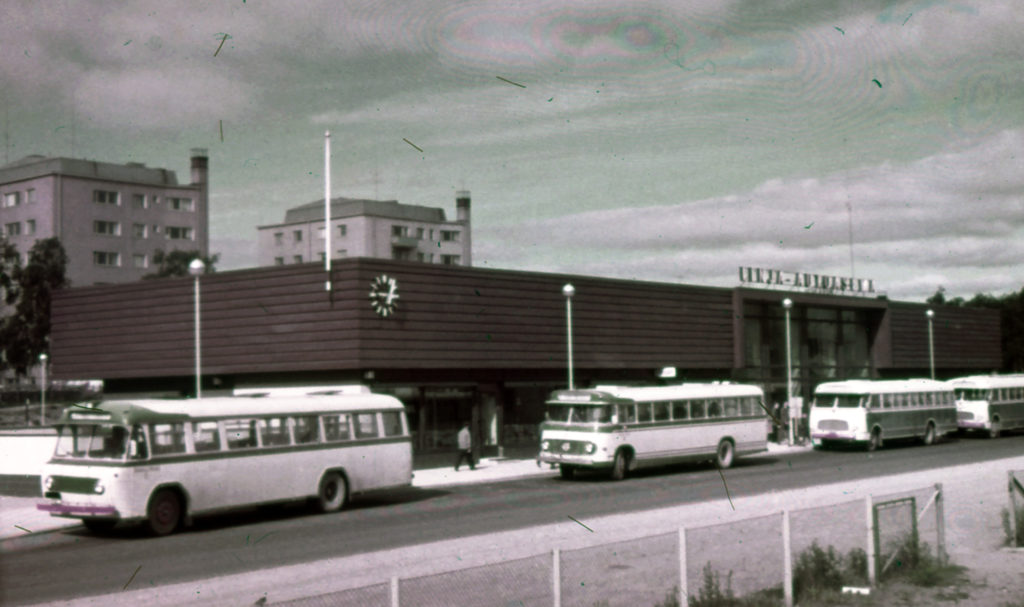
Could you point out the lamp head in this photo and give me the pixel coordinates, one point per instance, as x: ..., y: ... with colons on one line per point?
x: 196, y: 267
x: 568, y: 290
x: 787, y: 303
x: 930, y: 313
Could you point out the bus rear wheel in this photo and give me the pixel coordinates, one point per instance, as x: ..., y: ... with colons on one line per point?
x: 163, y: 515
x: 619, y: 465
x: 332, y: 494
x: 725, y: 454
x: 929, y: 434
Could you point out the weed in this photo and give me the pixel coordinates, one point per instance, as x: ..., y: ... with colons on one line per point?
x: 1009, y: 539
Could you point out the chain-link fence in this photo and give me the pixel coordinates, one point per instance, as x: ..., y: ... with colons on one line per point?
x: 775, y: 554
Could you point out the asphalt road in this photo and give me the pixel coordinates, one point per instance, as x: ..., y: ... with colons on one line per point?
x: 76, y: 563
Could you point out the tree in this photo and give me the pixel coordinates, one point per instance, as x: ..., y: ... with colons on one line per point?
x: 25, y: 334
x: 1011, y: 321
x: 176, y: 263
x: 10, y: 265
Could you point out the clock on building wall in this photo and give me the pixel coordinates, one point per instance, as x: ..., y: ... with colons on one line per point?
x: 384, y: 295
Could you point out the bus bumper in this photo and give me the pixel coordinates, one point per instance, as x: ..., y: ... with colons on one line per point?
x: 78, y: 510
x: 974, y: 425
x: 575, y: 460
x: 819, y: 435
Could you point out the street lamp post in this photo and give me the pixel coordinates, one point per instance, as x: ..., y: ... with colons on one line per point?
x: 931, y: 343
x: 196, y: 269
x: 568, y: 290
x: 787, y: 304
x: 42, y: 389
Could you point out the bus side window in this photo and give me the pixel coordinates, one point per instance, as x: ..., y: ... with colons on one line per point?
x: 643, y: 412
x: 366, y: 425
x: 392, y: 422
x: 205, y: 436
x: 273, y: 431
x: 240, y: 433
x: 627, y: 414
x: 680, y: 410
x: 336, y: 427
x: 661, y: 411
x: 714, y: 409
x: 167, y: 438
x: 137, y: 448
x: 732, y: 407
x: 306, y: 429
x: 697, y: 409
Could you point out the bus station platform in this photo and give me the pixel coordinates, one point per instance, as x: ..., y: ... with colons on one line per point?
x: 20, y: 517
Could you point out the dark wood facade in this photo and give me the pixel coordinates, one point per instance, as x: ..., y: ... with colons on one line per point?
x: 465, y: 341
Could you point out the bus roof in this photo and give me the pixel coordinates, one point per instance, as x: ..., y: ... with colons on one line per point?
x: 604, y: 394
x: 988, y: 381
x: 147, y: 410
x: 864, y: 386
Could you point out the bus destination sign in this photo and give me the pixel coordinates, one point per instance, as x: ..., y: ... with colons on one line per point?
x: 812, y: 282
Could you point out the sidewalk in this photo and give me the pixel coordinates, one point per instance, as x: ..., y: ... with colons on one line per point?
x: 19, y: 515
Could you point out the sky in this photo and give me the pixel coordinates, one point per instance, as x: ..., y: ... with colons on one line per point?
x: 670, y: 141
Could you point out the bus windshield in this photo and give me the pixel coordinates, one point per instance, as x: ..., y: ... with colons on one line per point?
x: 971, y: 394
x: 91, y: 441
x: 848, y: 401
x: 579, y: 415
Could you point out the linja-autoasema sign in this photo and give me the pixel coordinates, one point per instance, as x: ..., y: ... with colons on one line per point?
x: 813, y: 282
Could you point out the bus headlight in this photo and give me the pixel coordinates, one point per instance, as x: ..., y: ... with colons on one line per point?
x: 49, y: 483
x: 544, y: 446
x: 589, y: 448
x: 99, y: 488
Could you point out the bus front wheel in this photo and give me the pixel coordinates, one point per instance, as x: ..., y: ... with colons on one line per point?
x: 332, y: 493
x: 994, y: 432
x: 725, y: 454
x: 875, y: 442
x: 99, y: 525
x: 567, y: 472
x: 619, y: 465
x: 163, y: 515
x: 929, y: 434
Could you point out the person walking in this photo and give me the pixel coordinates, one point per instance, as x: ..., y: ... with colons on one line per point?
x: 465, y: 442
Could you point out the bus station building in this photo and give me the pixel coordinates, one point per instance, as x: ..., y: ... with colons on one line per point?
x: 459, y: 343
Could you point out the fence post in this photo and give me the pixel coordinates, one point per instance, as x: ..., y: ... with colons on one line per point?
x: 870, y: 516
x: 1011, y: 480
x: 940, y: 523
x: 394, y: 592
x: 787, y: 561
x: 684, y: 590
x: 556, y: 578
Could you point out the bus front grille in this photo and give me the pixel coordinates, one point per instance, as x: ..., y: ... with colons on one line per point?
x: 962, y: 415
x: 833, y: 424
x: 73, y: 484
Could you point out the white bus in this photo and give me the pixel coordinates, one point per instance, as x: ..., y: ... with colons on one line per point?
x: 163, y: 461
x: 990, y: 403
x: 870, y: 412
x: 621, y: 428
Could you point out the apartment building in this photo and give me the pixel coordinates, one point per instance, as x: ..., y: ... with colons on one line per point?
x: 384, y: 229
x: 110, y: 218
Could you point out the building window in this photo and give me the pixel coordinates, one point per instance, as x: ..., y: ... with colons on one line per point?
x: 279, y: 261
x: 139, y: 230
x: 30, y: 227
x: 399, y: 231
x: 425, y: 257
x: 12, y: 199
x: 402, y: 254
x: 156, y: 229
x: 323, y: 256
x: 342, y: 252
x: 419, y: 233
x: 105, y: 197
x: 450, y: 260
x: 179, y: 233
x: 297, y: 258
x: 139, y: 201
x: 320, y: 234
x: 180, y: 204
x: 106, y: 258
x: 107, y: 228
x: 449, y: 236
x: 342, y: 230
x: 30, y: 195
x: 297, y: 235
x: 278, y: 238
x: 13, y: 229
x: 140, y: 261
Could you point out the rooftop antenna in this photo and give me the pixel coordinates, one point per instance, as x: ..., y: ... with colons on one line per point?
x: 72, y: 124
x: 7, y: 135
x: 327, y: 207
